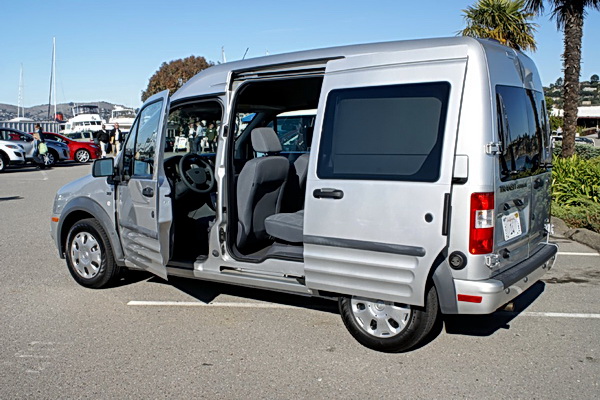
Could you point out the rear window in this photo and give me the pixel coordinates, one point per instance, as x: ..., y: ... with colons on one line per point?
x: 523, y: 131
x: 384, y: 132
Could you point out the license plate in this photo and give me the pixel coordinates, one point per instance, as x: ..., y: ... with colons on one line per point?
x: 511, y: 225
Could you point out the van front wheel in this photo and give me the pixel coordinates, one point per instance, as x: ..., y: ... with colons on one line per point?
x: 89, y: 255
x: 387, y: 326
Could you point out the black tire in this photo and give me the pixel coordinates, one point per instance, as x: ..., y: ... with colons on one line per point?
x: 89, y: 255
x: 3, y: 163
x: 417, y: 325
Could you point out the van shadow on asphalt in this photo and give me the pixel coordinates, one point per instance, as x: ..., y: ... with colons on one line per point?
x: 468, y: 325
x: 487, y: 325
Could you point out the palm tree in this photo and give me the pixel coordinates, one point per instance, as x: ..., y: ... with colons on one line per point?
x: 569, y: 16
x: 503, y: 20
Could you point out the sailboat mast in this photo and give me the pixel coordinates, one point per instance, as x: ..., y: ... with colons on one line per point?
x: 51, y: 79
x: 20, y: 109
x: 54, y: 72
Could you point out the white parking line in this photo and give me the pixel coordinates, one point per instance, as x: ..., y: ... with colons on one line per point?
x: 559, y: 315
x: 567, y: 253
x: 283, y: 306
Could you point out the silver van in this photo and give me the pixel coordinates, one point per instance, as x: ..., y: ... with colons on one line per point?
x: 419, y: 187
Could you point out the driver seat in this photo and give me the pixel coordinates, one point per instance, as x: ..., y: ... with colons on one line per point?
x: 260, y: 190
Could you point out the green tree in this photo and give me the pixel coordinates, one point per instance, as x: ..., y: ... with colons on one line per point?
x: 559, y: 82
x: 594, y: 78
x: 174, y: 74
x: 569, y: 16
x: 503, y: 20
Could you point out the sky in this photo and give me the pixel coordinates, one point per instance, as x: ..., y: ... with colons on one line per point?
x: 107, y: 50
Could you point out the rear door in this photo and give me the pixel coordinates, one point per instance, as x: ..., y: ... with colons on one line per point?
x: 378, y: 182
x: 523, y: 196
x: 144, y: 211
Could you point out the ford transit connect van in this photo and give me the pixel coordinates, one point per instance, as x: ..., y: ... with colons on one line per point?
x: 419, y: 184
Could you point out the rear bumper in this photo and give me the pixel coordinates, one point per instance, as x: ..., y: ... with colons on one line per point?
x: 485, y: 297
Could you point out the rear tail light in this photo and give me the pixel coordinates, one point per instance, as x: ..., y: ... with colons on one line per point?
x: 481, y: 235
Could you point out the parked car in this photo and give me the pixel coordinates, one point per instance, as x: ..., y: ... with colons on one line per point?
x: 402, y: 209
x: 11, y: 154
x: 578, y: 139
x: 57, y: 151
x: 80, y: 151
x: 85, y: 136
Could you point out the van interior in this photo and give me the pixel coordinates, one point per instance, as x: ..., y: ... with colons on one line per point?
x: 266, y: 161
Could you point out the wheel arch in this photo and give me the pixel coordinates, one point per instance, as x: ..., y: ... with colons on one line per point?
x: 83, y: 208
x: 440, y: 275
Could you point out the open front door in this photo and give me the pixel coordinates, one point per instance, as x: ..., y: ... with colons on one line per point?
x: 381, y: 173
x: 143, y: 207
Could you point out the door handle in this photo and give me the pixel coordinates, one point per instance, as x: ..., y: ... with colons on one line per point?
x: 148, y: 192
x: 328, y: 194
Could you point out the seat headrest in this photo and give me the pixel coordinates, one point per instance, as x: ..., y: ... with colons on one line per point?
x: 265, y: 140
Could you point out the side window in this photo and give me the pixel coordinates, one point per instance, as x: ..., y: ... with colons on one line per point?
x: 294, y: 132
x: 138, y: 159
x: 520, y: 127
x: 384, y: 133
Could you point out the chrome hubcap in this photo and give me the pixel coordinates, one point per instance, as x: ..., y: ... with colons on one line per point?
x: 82, y: 156
x: 49, y: 158
x: 381, y: 319
x: 86, y: 255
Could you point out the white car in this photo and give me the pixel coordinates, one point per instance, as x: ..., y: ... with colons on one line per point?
x: 84, y: 136
x: 11, y: 154
x: 57, y: 152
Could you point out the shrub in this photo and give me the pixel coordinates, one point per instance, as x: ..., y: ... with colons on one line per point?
x: 584, y: 151
x: 575, y: 181
x: 584, y: 216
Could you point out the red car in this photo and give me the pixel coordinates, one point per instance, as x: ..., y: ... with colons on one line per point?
x: 80, y: 151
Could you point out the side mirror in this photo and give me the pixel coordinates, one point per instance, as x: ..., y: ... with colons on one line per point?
x: 103, y: 167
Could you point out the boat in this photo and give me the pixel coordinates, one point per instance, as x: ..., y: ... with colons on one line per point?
x: 86, y: 117
x: 122, y: 116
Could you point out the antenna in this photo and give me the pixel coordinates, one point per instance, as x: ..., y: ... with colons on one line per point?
x: 223, y: 54
x: 246, y: 52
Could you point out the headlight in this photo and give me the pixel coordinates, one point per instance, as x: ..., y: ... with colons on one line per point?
x: 59, y: 202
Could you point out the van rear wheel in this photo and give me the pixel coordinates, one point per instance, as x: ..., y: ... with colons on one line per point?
x: 387, y: 326
x: 89, y: 255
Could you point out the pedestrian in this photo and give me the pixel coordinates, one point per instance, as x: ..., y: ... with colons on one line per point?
x: 117, y: 138
x: 104, y: 139
x: 191, y: 138
x: 40, y: 150
x: 199, y: 137
x: 211, y: 135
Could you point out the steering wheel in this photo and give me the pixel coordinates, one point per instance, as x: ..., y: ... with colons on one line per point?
x: 196, y: 173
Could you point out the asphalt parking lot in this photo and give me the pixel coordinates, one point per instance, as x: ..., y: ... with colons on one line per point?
x: 147, y: 338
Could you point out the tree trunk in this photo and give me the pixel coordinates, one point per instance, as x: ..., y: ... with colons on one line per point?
x: 572, y: 62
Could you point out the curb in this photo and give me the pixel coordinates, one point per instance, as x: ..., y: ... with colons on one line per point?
x: 580, y: 235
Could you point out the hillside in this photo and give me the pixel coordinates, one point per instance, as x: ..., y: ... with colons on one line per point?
x: 40, y: 113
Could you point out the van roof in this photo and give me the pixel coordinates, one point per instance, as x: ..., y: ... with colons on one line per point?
x: 213, y: 80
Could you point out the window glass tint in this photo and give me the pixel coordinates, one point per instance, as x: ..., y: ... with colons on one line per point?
x: 138, y: 158
x: 129, y: 150
x: 294, y: 132
x: 146, y: 140
x: 522, y: 126
x: 384, y: 133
